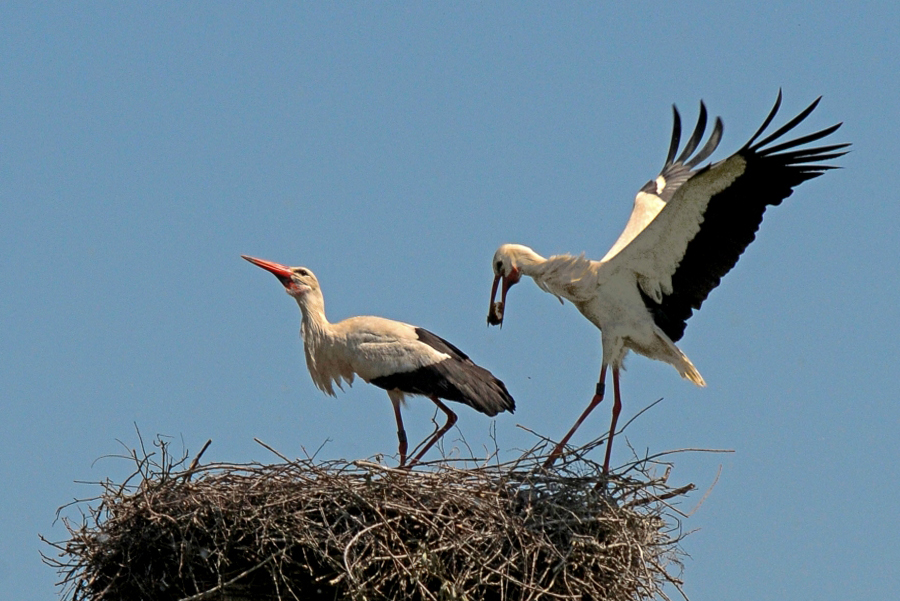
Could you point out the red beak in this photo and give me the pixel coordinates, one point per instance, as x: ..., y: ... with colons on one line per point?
x: 282, y: 272
x: 496, y: 310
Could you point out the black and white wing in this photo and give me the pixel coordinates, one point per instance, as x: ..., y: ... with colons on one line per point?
x: 398, y: 356
x: 712, y: 216
x: 651, y: 199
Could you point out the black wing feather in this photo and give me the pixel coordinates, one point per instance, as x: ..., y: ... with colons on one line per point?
x: 768, y: 120
x: 676, y: 171
x: 709, y: 147
x: 695, y: 138
x: 676, y: 136
x: 456, y: 379
x: 785, y: 128
x: 733, y: 216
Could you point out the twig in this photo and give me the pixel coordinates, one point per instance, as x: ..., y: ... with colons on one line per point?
x: 222, y: 586
x: 708, y: 491
x: 274, y: 452
x: 193, y: 466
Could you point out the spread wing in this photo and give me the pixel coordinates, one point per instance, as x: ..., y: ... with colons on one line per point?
x: 712, y: 215
x: 656, y: 193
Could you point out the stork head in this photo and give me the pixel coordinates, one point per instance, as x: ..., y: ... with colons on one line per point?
x: 507, y: 270
x: 299, y: 282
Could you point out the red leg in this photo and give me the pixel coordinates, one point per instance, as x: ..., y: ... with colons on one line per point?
x: 401, y: 433
x: 617, y: 407
x: 598, y: 396
x: 451, y: 419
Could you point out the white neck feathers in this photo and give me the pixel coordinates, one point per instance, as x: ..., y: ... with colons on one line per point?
x: 324, y: 350
x: 565, y: 276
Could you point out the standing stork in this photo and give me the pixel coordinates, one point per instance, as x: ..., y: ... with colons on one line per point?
x: 395, y: 356
x: 687, y: 229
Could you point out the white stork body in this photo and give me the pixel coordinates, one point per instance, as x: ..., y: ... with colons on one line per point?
x: 398, y: 357
x: 609, y: 299
x: 687, y: 229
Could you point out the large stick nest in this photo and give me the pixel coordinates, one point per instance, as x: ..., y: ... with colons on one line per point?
x: 301, y: 529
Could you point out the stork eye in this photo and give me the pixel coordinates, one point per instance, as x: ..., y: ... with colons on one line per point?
x: 302, y: 272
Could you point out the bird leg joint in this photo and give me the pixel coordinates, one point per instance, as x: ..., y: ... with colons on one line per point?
x: 601, y: 388
x: 401, y: 435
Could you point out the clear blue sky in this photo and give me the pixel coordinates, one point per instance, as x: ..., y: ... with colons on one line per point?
x: 391, y: 148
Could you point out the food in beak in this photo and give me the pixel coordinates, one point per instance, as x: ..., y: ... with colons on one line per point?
x: 495, y: 315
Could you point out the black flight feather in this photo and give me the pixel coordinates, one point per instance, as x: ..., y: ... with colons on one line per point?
x: 733, y: 216
x: 457, y: 379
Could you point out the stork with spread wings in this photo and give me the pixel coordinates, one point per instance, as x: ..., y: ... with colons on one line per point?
x: 688, y: 228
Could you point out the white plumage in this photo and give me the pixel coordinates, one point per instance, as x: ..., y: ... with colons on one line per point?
x: 687, y: 229
x: 370, y: 347
x: 395, y: 356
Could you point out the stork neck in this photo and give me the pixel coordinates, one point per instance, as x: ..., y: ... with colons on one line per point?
x: 312, y: 307
x: 530, y: 263
x: 562, y: 275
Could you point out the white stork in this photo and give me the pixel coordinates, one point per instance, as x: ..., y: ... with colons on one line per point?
x: 687, y: 229
x: 395, y: 356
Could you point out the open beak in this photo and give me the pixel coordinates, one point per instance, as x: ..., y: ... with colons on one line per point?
x: 282, y: 272
x: 495, y: 312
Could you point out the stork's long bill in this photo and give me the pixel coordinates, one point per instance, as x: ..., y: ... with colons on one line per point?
x: 495, y: 311
x: 282, y: 272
